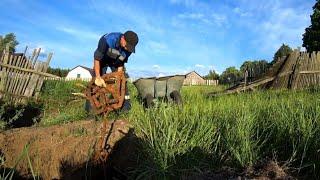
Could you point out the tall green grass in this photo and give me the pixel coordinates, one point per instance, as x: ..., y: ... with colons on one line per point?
x: 210, y: 133
x: 60, y: 106
x: 234, y: 130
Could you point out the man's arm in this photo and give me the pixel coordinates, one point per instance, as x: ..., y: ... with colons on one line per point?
x: 96, y: 66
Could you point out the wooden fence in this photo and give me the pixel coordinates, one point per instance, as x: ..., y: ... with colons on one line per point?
x: 21, y: 76
x: 205, y: 83
x: 300, y: 70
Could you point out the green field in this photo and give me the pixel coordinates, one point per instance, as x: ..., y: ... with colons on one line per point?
x: 207, y: 134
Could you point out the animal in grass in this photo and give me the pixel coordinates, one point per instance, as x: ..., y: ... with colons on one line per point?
x: 113, y: 51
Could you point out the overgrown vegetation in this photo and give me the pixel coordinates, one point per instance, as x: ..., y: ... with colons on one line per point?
x: 206, y: 134
x: 235, y: 131
x: 60, y: 106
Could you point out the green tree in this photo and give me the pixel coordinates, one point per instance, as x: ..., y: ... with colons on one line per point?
x: 230, y: 76
x: 255, y: 68
x: 8, y: 39
x: 212, y: 75
x: 311, y: 37
x: 284, y: 50
x: 58, y: 71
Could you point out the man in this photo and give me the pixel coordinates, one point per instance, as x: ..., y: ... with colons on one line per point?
x: 113, y: 51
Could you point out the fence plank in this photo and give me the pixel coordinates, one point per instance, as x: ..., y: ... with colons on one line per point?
x: 14, y: 75
x: 33, y: 81
x: 26, y: 75
x: 29, y: 70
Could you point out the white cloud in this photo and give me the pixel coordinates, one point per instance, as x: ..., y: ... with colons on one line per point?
x: 79, y: 33
x: 205, y: 18
x: 285, y: 25
x: 199, y: 66
x: 156, y: 66
x: 242, y: 12
x: 158, y: 47
x: 194, y: 16
x: 219, y: 19
x: 161, y: 74
x: 133, y: 16
x: 187, y: 3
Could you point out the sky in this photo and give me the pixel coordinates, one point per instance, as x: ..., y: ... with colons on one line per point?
x: 175, y: 36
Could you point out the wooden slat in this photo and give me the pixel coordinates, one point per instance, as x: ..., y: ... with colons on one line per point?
x: 9, y: 73
x: 40, y: 82
x: 33, y: 81
x: 14, y: 79
x: 25, y: 76
x: 20, y: 76
x: 29, y: 70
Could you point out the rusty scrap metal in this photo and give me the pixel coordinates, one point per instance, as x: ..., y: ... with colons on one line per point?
x: 104, y: 100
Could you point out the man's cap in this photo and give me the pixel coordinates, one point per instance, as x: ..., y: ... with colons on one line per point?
x: 132, y: 40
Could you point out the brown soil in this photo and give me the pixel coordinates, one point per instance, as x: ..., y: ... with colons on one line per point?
x: 62, y: 151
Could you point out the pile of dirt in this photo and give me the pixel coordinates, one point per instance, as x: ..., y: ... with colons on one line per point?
x: 63, y: 151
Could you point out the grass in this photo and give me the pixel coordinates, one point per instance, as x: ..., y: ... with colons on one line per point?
x: 60, y: 106
x: 236, y: 131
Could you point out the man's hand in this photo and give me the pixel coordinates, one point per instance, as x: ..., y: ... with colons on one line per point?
x: 100, y: 82
x: 120, y: 68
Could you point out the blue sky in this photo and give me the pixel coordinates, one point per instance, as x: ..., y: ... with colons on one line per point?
x: 175, y: 36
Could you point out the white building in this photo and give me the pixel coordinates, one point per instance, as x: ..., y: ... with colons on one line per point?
x: 80, y: 72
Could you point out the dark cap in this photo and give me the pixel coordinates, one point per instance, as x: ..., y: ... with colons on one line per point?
x: 132, y: 40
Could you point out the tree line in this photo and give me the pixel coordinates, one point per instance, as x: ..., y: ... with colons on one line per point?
x: 254, y: 68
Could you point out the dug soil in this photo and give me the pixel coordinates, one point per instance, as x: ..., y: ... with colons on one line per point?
x: 69, y: 151
x: 66, y: 151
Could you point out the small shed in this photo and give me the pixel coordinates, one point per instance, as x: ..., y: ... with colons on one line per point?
x: 193, y: 78
x: 80, y: 72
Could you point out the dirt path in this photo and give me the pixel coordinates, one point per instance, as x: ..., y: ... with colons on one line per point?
x: 60, y: 151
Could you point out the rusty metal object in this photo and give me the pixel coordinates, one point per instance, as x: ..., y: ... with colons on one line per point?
x: 104, y: 100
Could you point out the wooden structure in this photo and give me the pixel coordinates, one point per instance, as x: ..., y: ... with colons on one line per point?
x: 298, y: 70
x: 193, y: 78
x: 80, y: 72
x: 21, y: 76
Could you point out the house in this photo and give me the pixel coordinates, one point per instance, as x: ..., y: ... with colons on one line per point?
x: 193, y: 78
x: 80, y: 72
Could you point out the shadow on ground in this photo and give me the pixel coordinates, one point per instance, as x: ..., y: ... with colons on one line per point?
x: 121, y: 159
x: 23, y: 115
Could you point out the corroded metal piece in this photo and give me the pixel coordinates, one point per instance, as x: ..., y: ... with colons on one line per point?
x: 106, y: 99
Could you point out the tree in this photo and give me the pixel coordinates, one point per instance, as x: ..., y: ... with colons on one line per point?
x: 255, y: 68
x: 311, y: 37
x: 58, y: 71
x: 8, y: 39
x: 212, y: 75
x: 284, y: 50
x: 230, y: 76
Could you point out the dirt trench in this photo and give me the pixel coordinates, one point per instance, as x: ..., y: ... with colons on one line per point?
x: 67, y: 151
